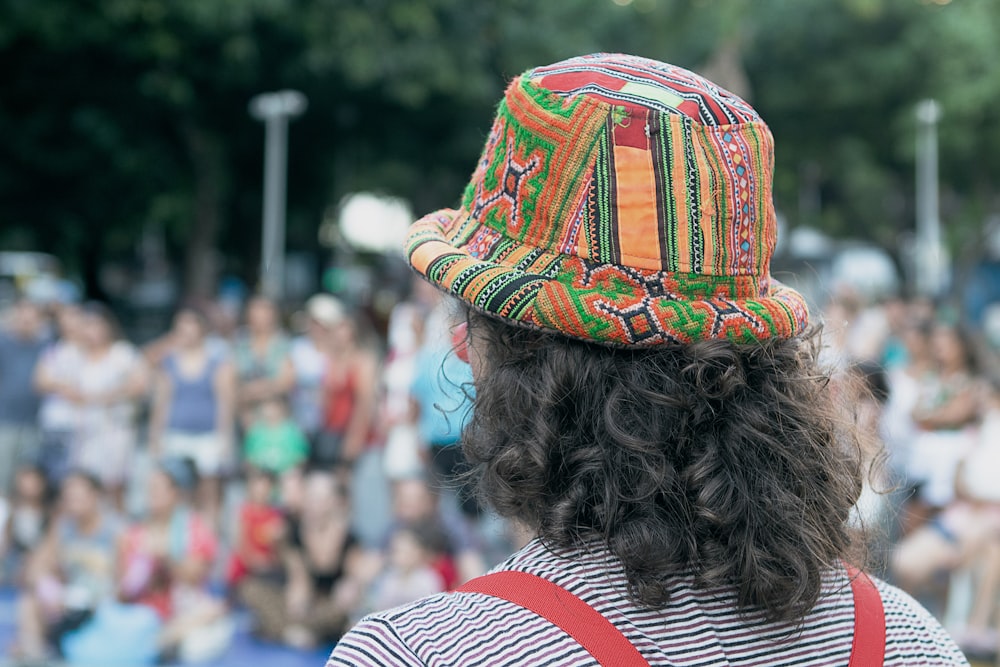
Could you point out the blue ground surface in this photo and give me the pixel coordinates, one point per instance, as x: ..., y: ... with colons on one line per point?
x: 245, y: 649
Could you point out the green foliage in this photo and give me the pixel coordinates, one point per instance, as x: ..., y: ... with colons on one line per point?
x: 117, y: 115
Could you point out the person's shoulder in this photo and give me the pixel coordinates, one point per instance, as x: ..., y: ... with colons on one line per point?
x: 391, y: 638
x: 913, y: 636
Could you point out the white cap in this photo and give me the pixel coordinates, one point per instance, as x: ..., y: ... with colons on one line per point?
x: 326, y: 309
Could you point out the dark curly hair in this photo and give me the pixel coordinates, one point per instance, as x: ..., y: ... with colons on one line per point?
x: 728, y: 462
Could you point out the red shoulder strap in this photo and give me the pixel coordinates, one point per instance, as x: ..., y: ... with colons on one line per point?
x: 868, y: 649
x: 610, y: 647
x: 563, y: 609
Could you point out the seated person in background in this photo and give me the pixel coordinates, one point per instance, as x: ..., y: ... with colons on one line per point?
x: 414, y: 502
x: 275, y: 442
x: 456, y: 557
x: 410, y: 573
x: 965, y: 535
x: 299, y: 608
x: 165, y: 562
x: 28, y: 516
x: 72, y: 571
x: 261, y: 530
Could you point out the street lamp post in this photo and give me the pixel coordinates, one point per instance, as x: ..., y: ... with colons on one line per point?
x: 275, y: 109
x: 931, y: 260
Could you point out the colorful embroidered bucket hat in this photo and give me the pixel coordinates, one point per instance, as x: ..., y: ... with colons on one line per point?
x: 619, y: 200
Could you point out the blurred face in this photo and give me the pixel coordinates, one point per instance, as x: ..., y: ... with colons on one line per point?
x: 412, y: 500
x: 27, y: 320
x: 322, y: 494
x: 259, y: 489
x: 916, y: 342
x: 161, y: 494
x: 341, y: 335
x: 895, y: 313
x: 96, y: 331
x: 273, y: 412
x: 29, y: 485
x: 70, y: 321
x: 261, y: 316
x: 948, y: 349
x: 79, y: 498
x: 188, y: 330
x: 316, y: 330
x: 405, y: 551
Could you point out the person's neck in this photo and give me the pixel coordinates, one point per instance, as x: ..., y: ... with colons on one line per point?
x: 89, y: 523
x: 162, y: 518
x: 192, y: 350
x: 952, y: 371
x: 97, y: 351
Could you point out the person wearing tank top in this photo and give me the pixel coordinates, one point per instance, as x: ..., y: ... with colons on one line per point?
x: 193, y: 407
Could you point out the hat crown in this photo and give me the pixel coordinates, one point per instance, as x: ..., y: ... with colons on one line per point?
x: 628, y: 161
x: 632, y: 81
x: 618, y: 200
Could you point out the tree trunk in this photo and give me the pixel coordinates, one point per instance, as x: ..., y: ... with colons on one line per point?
x: 208, y: 163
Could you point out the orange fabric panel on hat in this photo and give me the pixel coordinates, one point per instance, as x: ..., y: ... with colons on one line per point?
x: 560, y: 158
x: 635, y: 185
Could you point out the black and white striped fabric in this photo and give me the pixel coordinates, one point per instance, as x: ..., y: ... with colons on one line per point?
x: 698, y: 629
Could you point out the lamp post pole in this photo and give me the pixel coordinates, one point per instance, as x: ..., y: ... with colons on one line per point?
x: 930, y: 254
x: 275, y: 109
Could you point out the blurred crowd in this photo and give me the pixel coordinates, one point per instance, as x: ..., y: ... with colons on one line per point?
x: 930, y: 403
x: 305, y: 475
x: 302, y: 475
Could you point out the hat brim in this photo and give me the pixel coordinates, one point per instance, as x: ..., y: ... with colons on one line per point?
x: 591, y: 301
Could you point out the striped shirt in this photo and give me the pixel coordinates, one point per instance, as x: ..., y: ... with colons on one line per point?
x: 697, y: 628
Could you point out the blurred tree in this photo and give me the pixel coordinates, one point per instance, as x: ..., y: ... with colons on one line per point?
x: 123, y: 115
x: 839, y: 82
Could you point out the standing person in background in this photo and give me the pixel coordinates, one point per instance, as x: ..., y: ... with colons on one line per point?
x: 261, y: 355
x: 348, y: 440
x: 324, y: 313
x: 55, y: 381
x: 442, y: 395
x: 194, y: 401
x: 21, y: 344
x: 906, y: 383
x: 109, y: 379
x: 349, y: 395
x: 648, y: 402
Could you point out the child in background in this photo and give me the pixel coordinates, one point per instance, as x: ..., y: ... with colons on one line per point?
x: 300, y: 608
x: 275, y: 442
x: 261, y: 530
x: 28, y: 514
x: 72, y: 571
x: 409, y: 574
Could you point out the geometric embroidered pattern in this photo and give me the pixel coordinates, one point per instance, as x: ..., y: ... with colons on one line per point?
x: 618, y: 200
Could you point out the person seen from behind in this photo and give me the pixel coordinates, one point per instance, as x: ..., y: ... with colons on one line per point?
x: 647, y: 403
